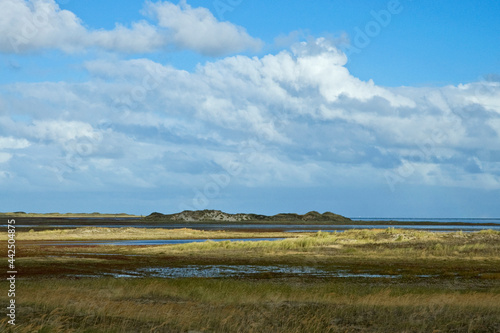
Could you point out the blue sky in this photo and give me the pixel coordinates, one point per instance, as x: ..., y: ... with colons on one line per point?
x: 363, y: 108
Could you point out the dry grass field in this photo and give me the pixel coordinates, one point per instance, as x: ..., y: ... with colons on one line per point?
x: 394, y: 281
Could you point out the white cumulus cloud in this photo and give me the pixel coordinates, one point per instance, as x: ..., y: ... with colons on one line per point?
x: 32, y: 25
x: 198, y: 29
x: 13, y: 143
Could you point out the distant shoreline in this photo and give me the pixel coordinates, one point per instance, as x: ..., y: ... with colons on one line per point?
x: 208, y: 217
x: 67, y: 215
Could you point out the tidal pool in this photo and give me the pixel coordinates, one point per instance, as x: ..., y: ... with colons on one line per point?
x: 219, y: 271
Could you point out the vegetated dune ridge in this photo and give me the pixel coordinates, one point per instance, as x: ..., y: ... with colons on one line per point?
x: 217, y: 215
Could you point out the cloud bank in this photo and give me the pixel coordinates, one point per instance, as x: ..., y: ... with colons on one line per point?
x: 295, y: 118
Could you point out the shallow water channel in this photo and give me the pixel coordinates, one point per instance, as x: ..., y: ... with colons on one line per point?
x: 137, y: 242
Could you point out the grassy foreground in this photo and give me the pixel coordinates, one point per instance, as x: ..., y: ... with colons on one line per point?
x: 445, y: 282
x: 208, y: 305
